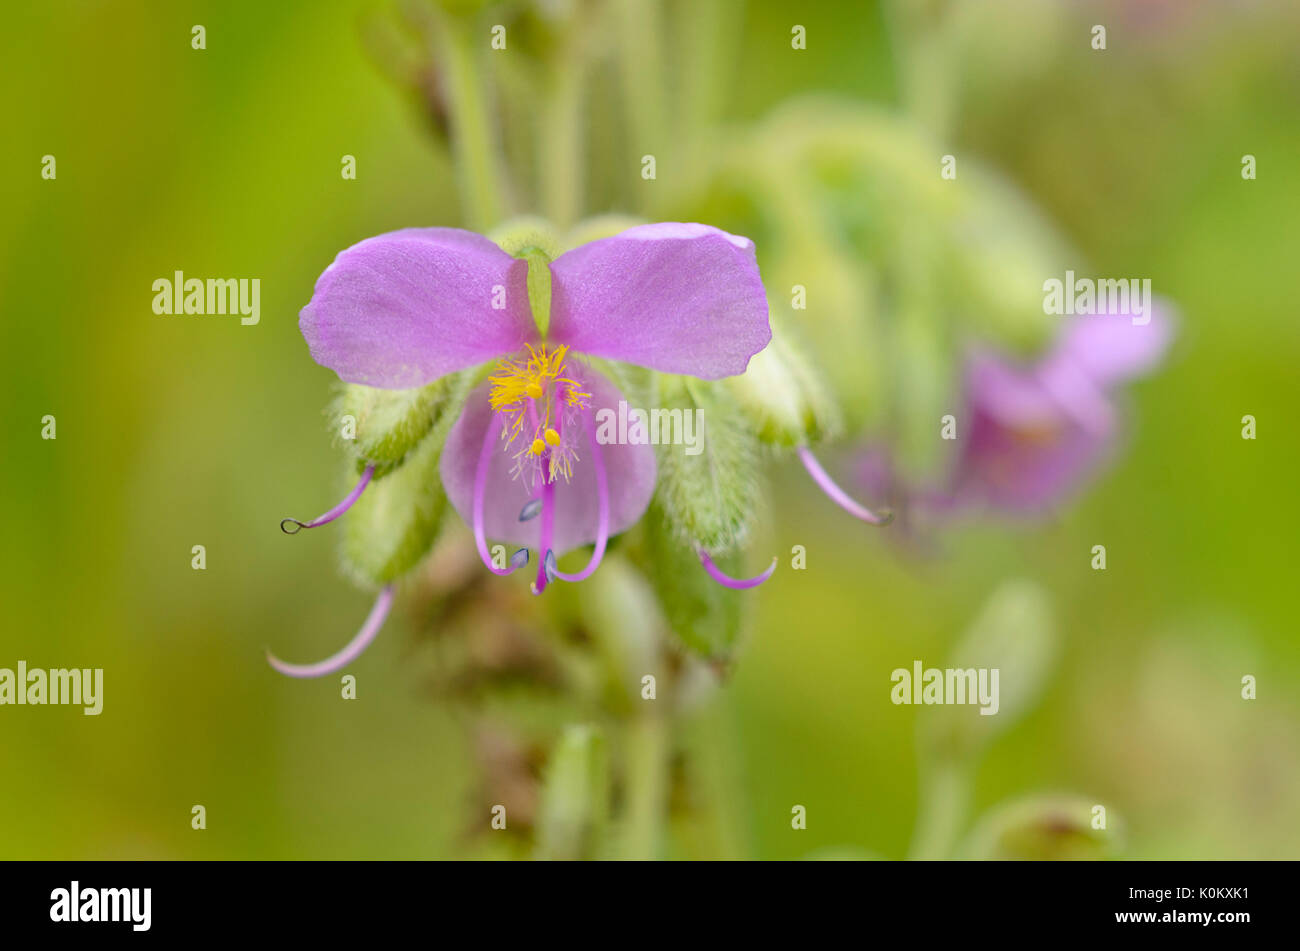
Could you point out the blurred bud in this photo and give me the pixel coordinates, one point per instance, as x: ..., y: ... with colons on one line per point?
x: 841, y: 321
x: 1003, y: 251
x: 708, y: 489
x: 600, y: 226
x: 785, y: 401
x: 1045, y: 828
x: 1015, y: 635
x: 574, y: 809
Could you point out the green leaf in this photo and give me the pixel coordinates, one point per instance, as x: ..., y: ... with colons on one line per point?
x: 702, y: 614
x: 708, y: 491
x: 394, y: 523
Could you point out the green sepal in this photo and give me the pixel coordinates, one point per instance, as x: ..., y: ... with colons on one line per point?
x: 703, y: 615
x: 396, y: 520
x: 390, y: 423
x: 709, y: 498
x: 535, y: 241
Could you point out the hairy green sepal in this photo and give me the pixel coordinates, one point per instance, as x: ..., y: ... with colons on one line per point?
x: 709, y: 498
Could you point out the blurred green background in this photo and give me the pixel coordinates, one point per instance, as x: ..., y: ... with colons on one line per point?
x: 174, y: 432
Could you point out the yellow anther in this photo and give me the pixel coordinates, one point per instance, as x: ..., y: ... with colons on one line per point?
x: 552, y: 437
x: 534, y: 390
x: 539, y: 447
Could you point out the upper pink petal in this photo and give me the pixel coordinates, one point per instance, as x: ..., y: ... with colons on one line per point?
x: 401, y: 309
x: 1111, y: 348
x: 678, y: 298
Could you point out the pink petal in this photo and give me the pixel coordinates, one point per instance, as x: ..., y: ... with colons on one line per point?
x: 1008, y: 392
x: 401, y: 309
x: 1026, y: 473
x: 630, y: 470
x: 678, y: 298
x: 1110, y: 348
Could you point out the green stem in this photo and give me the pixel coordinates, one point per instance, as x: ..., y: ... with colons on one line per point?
x: 924, y: 53
x: 944, y: 799
x: 646, y: 750
x: 706, y: 63
x: 562, y: 138
x: 718, y: 830
x: 643, y: 79
x: 478, y: 164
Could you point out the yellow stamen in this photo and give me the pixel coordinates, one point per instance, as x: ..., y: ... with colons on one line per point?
x: 533, y: 394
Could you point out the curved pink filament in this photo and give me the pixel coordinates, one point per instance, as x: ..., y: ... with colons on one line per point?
x: 838, y: 495
x: 480, y: 489
x: 350, y: 652
x: 548, y: 525
x: 724, y: 579
x: 602, y: 518
x: 333, y: 513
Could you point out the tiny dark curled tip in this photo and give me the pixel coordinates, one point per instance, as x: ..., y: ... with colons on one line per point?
x: 333, y: 513
x: 519, y: 559
x: 886, y: 516
x: 530, y: 510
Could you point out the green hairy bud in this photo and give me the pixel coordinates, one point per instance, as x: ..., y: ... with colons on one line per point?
x: 388, y: 424
x: 709, y: 498
x: 704, y: 616
x: 785, y: 401
x: 394, y: 524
